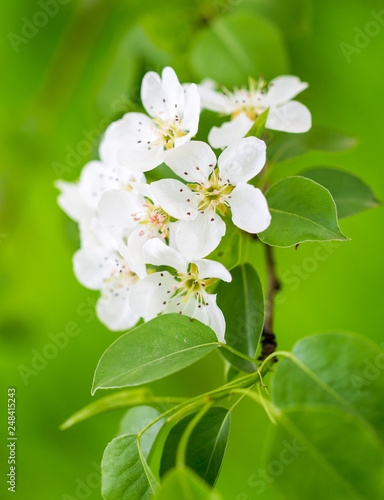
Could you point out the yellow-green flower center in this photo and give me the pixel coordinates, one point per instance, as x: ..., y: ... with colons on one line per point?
x: 191, y: 285
x: 214, y: 194
x: 168, y: 132
x: 248, y: 101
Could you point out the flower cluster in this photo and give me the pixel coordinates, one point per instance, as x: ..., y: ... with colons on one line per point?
x: 144, y: 245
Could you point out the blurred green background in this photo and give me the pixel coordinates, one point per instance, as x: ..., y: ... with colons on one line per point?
x: 69, y: 72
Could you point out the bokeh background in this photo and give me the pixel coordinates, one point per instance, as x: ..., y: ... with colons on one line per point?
x: 65, y: 76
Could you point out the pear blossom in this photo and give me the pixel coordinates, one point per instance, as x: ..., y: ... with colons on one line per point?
x: 184, y: 292
x: 212, y: 190
x: 140, y: 211
x: 244, y: 105
x: 138, y: 141
x: 99, y: 265
x: 127, y: 224
x: 79, y: 200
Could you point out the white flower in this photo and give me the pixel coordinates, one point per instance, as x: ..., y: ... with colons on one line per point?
x: 138, y: 141
x: 183, y: 292
x: 79, y: 200
x: 211, y: 190
x: 98, y: 265
x: 245, y: 105
x: 141, y: 211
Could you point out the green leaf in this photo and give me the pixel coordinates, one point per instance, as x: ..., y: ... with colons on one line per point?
x: 350, y: 193
x: 156, y: 21
x: 242, y: 303
x: 231, y: 372
x: 294, y: 18
x: 228, y: 51
x: 153, y: 350
x: 123, y: 74
x: 301, y: 210
x: 184, y: 484
x: 324, y: 453
x: 258, y: 127
x: 123, y: 399
x: 135, y: 420
x: 206, y: 446
x: 337, y: 369
x: 125, y: 472
x: 286, y: 146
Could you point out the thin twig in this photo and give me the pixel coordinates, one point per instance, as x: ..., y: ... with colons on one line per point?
x: 273, y: 287
x: 268, y: 340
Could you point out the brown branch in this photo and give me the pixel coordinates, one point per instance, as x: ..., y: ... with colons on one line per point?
x: 273, y: 287
x: 268, y: 340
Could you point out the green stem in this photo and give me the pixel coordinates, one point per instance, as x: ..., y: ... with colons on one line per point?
x: 157, y: 419
x: 273, y: 410
x: 181, y: 451
x: 182, y: 448
x: 264, y: 368
x: 238, y: 353
x: 248, y: 358
x: 202, y: 399
x: 249, y: 394
x: 165, y: 400
x: 188, y: 409
x: 245, y: 392
x: 266, y: 408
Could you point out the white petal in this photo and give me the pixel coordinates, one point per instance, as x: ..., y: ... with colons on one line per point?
x: 209, y: 314
x: 213, y: 100
x: 133, y: 251
x: 79, y: 200
x: 189, y: 116
x: 171, y: 83
x: 216, y: 319
x: 88, y: 237
x: 148, y: 295
x: 96, y: 178
x: 200, y: 313
x: 95, y: 234
x: 132, y: 141
x: 119, y: 132
x: 142, y: 189
x: 151, y: 93
x: 242, y: 161
x: 114, y: 311
x: 161, y: 96
x: 283, y: 89
x: 291, y: 117
x: 157, y: 253
x: 126, y: 176
x: 176, y: 305
x: 172, y: 235
x: 200, y: 237
x: 230, y: 132
x: 212, y: 269
x: 91, y: 268
x: 193, y: 162
x: 249, y: 209
x: 71, y: 201
x: 141, y: 159
x: 118, y: 208
x: 175, y: 198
